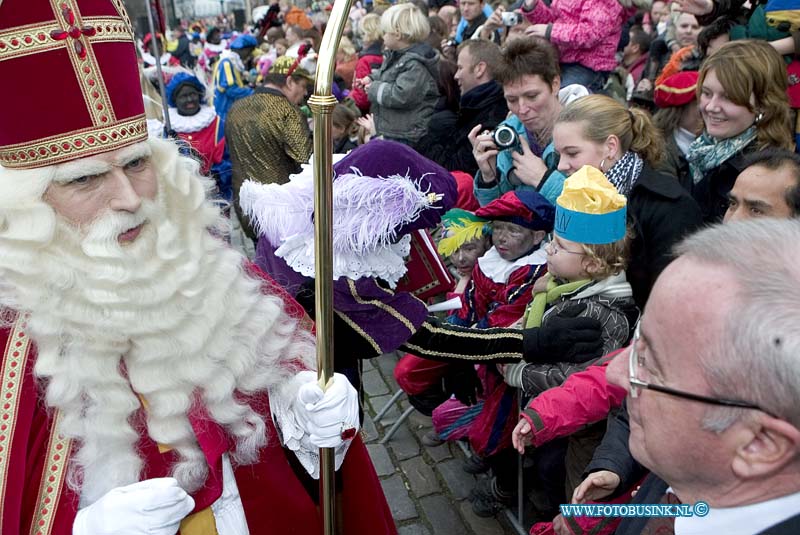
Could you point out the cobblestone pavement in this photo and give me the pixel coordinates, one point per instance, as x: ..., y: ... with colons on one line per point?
x: 426, y: 488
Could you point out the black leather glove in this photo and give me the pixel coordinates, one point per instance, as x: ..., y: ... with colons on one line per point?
x: 462, y: 381
x: 564, y: 338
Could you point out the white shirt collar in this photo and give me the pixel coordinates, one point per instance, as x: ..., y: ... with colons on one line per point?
x: 498, y: 269
x: 744, y: 520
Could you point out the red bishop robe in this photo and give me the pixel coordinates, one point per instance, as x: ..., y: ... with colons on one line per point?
x: 35, y: 499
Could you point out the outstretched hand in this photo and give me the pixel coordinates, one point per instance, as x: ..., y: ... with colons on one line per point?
x: 596, y: 486
x: 522, y: 435
x: 567, y: 337
x: 696, y: 7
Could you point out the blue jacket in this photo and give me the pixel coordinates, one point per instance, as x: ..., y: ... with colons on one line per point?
x: 228, y: 87
x: 462, y: 25
x: 550, y: 188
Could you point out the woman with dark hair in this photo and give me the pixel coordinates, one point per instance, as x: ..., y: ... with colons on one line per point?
x: 530, y: 76
x: 449, y: 93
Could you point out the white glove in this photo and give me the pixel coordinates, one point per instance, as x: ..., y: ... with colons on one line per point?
x: 324, y: 416
x: 151, y: 507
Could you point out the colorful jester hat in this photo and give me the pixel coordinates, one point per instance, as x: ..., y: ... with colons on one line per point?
x: 460, y: 226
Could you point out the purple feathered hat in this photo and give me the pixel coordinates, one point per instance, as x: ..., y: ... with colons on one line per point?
x: 382, y: 191
x: 383, y: 158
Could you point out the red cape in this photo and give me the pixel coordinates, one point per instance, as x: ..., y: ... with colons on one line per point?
x: 34, y: 497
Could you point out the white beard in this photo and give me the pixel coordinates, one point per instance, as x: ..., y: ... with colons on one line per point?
x: 173, y: 309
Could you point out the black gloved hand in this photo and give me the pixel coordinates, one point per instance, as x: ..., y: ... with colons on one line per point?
x: 564, y: 338
x: 462, y: 381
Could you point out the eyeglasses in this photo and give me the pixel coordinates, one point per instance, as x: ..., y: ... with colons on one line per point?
x: 552, y: 248
x: 636, y: 360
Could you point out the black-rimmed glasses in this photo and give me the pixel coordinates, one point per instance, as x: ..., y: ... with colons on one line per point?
x: 636, y: 360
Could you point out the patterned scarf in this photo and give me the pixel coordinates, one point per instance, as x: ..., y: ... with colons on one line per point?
x: 625, y: 172
x: 707, y: 153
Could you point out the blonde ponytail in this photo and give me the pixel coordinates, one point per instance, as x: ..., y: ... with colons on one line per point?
x: 603, y: 116
x: 647, y: 140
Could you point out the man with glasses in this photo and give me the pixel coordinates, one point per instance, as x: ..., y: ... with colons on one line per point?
x: 714, y: 384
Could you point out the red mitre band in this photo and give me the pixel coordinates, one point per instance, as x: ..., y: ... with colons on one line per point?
x: 70, y: 81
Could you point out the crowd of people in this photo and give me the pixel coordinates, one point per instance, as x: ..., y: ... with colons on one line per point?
x: 612, y: 188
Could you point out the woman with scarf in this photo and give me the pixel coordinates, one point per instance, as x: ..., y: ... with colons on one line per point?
x: 745, y: 109
x: 599, y: 131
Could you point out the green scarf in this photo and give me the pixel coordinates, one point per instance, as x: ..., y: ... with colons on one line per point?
x: 706, y: 152
x: 535, y: 311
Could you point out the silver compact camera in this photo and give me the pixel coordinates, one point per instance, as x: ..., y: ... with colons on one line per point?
x: 511, y: 18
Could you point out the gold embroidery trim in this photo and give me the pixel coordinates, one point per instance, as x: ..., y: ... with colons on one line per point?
x: 53, y: 476
x: 35, y: 38
x: 28, y: 39
x: 87, y: 71
x: 123, y: 14
x: 421, y: 351
x: 92, y: 140
x: 472, y: 332
x: 12, y: 374
x: 353, y: 325
x: 379, y: 304
x: 108, y: 29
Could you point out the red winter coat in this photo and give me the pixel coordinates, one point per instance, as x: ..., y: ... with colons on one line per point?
x: 369, y: 59
x: 584, y: 398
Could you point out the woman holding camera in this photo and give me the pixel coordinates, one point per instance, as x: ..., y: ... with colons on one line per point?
x: 519, y: 154
x: 627, y: 147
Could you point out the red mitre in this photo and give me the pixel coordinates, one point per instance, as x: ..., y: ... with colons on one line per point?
x: 70, y: 81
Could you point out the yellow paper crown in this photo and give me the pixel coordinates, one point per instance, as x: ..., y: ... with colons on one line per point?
x: 590, y: 209
x: 588, y: 191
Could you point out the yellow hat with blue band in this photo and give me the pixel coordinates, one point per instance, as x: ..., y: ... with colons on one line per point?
x: 590, y: 209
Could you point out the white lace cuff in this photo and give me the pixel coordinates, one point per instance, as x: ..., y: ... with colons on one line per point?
x: 387, y: 263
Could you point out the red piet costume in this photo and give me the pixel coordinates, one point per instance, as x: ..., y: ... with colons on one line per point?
x: 86, y: 47
x: 206, y: 139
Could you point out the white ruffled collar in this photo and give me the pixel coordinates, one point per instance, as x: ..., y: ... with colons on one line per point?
x: 234, y: 57
x: 217, y: 49
x: 150, y: 59
x: 387, y: 263
x: 499, y: 269
x: 186, y: 124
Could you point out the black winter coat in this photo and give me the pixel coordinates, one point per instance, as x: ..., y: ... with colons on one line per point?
x: 711, y: 193
x: 661, y: 213
x: 446, y: 141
